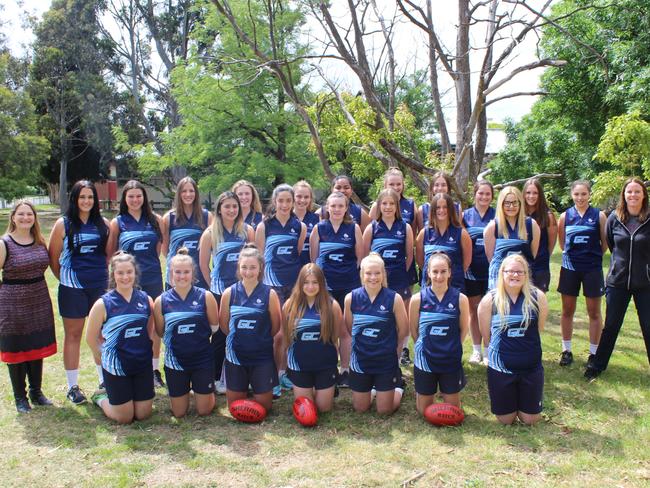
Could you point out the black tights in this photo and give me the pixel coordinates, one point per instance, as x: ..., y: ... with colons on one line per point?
x: 32, y: 370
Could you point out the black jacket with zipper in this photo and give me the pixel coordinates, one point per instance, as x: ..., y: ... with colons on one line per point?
x: 629, y: 265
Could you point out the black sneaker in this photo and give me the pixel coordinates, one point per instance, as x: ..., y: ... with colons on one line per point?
x: 22, y: 405
x: 76, y: 396
x: 405, y: 358
x: 343, y: 380
x: 591, y: 373
x: 157, y: 379
x: 566, y: 358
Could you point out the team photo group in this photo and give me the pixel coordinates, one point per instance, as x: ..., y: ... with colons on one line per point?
x: 312, y: 299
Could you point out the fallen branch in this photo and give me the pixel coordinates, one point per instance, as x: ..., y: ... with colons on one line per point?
x: 523, y: 180
x: 413, y: 479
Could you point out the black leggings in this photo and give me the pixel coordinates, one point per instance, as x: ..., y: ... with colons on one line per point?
x: 32, y: 370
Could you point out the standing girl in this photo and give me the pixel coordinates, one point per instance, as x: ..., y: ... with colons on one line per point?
x: 343, y: 184
x: 26, y: 318
x: 303, y: 208
x: 439, y: 320
x: 250, y: 317
x: 440, y: 182
x: 510, y: 232
x: 537, y: 208
x: 78, y: 259
x: 583, y: 241
x: 136, y: 230
x: 311, y: 320
x: 185, y: 317
x: 251, y: 206
x: 475, y: 219
x: 120, y: 327
x: 511, y: 317
x: 376, y: 319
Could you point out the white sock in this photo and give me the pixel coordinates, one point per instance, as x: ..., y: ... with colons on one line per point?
x: 155, y: 362
x: 223, y: 375
x: 373, y: 395
x: 344, y: 370
x: 593, y: 348
x: 100, y: 373
x: 566, y: 346
x: 477, y: 348
x: 399, y: 391
x: 72, y: 377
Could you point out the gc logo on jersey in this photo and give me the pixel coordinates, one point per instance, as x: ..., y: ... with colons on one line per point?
x: 439, y: 331
x: 87, y: 249
x: 186, y: 329
x: 370, y: 332
x: 390, y: 254
x: 246, y: 324
x: 581, y: 240
x: 517, y: 332
x: 232, y: 257
x: 285, y: 250
x: 191, y: 244
x: 132, y: 332
x: 336, y: 257
x: 141, y: 246
x: 310, y: 336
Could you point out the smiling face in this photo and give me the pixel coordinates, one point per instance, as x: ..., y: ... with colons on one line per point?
x: 483, y: 196
x: 372, y: 276
x: 442, y: 212
x: 23, y: 218
x: 395, y: 182
x: 388, y: 207
x: 228, y: 210
x: 249, y: 269
x: 310, y: 286
x: 124, y: 275
x: 634, y: 196
x: 580, y: 195
x: 188, y: 194
x: 514, y: 274
x: 134, y: 199
x: 86, y: 200
x: 182, y: 273
x: 439, y: 272
x: 343, y: 185
x: 511, y: 205
x: 337, y: 206
x: 440, y: 186
x: 531, y: 196
x: 245, y: 195
x: 284, y: 203
x: 302, y: 198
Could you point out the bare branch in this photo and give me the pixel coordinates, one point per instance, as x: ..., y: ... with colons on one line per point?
x: 517, y: 94
x: 527, y: 67
x: 524, y: 180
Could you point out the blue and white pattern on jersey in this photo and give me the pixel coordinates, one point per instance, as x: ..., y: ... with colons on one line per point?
x: 300, y: 327
x: 498, y: 328
x: 112, y: 331
x: 426, y: 319
x: 85, y: 243
x: 172, y: 320
x: 236, y: 312
x: 361, y: 326
x: 227, y: 252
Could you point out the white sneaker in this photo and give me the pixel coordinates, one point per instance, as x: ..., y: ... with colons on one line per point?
x: 475, y: 358
x: 221, y: 388
x: 485, y: 361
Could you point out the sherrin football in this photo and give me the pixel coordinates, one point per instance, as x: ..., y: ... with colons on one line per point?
x: 248, y: 411
x: 305, y: 411
x: 444, y: 414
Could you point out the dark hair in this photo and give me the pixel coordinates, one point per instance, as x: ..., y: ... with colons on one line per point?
x: 540, y: 213
x: 146, y: 207
x: 481, y: 183
x: 452, y: 215
x: 621, y: 209
x: 441, y: 174
x: 72, y: 214
x: 341, y: 177
x: 271, y: 210
x: 197, y: 213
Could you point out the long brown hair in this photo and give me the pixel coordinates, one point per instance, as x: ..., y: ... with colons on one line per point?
x: 541, y: 210
x: 388, y: 193
x: 35, y: 231
x: 452, y: 215
x: 325, y: 214
x: 297, y: 305
x: 621, y: 209
x: 197, y: 211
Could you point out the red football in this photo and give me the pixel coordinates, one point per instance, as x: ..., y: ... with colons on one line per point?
x: 305, y: 411
x: 248, y: 411
x: 444, y: 414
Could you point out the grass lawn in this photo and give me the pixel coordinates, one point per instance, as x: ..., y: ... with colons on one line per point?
x: 593, y: 434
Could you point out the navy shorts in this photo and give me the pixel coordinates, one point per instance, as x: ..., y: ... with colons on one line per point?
x: 542, y: 279
x: 262, y: 377
x: 593, y: 284
x: 339, y: 296
x: 405, y: 293
x: 476, y: 288
x: 516, y: 392
x: 137, y: 387
x: 320, y: 380
x: 364, y: 382
x: 75, y: 303
x: 179, y: 382
x: 283, y: 292
x: 448, y: 383
x: 154, y: 289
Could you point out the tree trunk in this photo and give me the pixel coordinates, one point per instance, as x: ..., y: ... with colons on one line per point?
x: 463, y: 95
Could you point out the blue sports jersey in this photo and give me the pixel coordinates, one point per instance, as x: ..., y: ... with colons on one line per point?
x: 355, y: 212
x: 311, y: 220
x: 450, y: 244
x: 542, y: 261
x: 281, y: 253
x: 337, y: 257
x: 514, y: 348
x: 249, y: 341
x: 85, y: 266
x: 475, y: 225
x: 224, y: 261
x: 138, y: 238
x: 438, y: 348
x: 187, y: 235
x: 374, y: 332
x: 127, y: 346
x: 187, y: 330
x: 426, y: 207
x: 390, y: 244
x: 582, y: 251
x: 505, y: 247
x: 308, y: 352
x: 253, y: 219
x: 407, y: 208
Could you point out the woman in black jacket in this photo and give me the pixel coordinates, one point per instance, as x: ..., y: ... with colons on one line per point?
x: 628, y: 239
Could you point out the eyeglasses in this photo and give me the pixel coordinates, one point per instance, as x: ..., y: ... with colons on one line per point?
x: 513, y: 204
x: 514, y: 272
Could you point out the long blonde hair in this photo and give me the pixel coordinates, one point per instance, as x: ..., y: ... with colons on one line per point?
x: 374, y: 258
x: 239, y: 228
x: 297, y: 306
x: 500, y: 217
x: 256, y: 204
x: 35, y: 231
x: 501, y: 300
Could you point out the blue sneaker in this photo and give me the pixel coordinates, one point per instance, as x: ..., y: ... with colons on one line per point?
x: 285, y: 382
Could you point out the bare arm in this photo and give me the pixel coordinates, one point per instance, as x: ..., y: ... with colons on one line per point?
x: 159, y: 320
x: 466, y: 247
x: 414, y: 316
x: 560, y: 232
x: 56, y: 246
x: 358, y: 245
x: 373, y: 212
x: 367, y: 240
x: 212, y: 311
x: 151, y: 323
x: 275, y: 312
x: 347, y: 313
x: 542, y: 303
x: 419, y: 249
x: 205, y: 253
x: 552, y: 232
x: 224, y: 313
x: 113, y: 238
x: 301, y: 239
x: 164, y: 230
x: 485, y: 317
x: 260, y: 237
x: 314, y: 245
x: 3, y: 253
x: 603, y: 232
x: 534, y: 245
x: 401, y: 320
x: 96, y: 319
x: 489, y: 241
x: 409, y: 246
x: 463, y: 320
x: 365, y: 219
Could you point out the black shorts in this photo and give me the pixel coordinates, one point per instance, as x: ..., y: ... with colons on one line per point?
x: 517, y: 392
x: 593, y: 285
x: 179, y: 382
x: 339, y: 296
x: 122, y: 389
x: 283, y: 292
x: 448, y: 383
x: 476, y: 288
x: 320, y: 380
x: 75, y: 303
x: 262, y: 377
x: 364, y: 382
x: 542, y: 279
x: 154, y: 289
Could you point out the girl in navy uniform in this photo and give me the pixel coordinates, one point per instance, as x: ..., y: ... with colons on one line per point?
x: 336, y: 245
x: 475, y: 219
x: 439, y: 321
x: 511, y: 318
x: 583, y: 241
x: 222, y: 241
x: 537, y: 208
x: 444, y: 232
x: 376, y: 319
x: 250, y: 317
x: 343, y: 184
x: 78, y: 259
x: 136, y: 230
x: 311, y: 320
x: 184, y: 224
x: 440, y: 182
x: 185, y: 317
x: 120, y: 328
x: 251, y: 206
x: 304, y: 209
x: 510, y: 232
